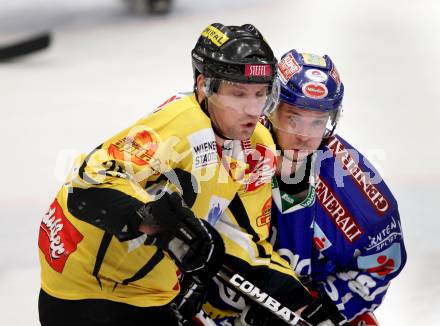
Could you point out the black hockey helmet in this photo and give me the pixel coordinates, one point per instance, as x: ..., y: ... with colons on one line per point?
x: 234, y: 53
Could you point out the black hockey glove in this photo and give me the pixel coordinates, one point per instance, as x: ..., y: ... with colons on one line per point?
x: 190, y: 299
x: 321, y: 310
x: 257, y: 316
x: 176, y: 229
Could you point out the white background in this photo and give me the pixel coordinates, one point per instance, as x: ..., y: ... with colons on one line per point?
x: 107, y: 68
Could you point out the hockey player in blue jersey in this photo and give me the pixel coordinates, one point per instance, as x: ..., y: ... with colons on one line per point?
x: 333, y: 217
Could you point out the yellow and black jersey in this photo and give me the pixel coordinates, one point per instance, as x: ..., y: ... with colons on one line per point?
x: 89, y: 243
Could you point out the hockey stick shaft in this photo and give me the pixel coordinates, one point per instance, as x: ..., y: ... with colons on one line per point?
x: 26, y: 46
x: 261, y: 298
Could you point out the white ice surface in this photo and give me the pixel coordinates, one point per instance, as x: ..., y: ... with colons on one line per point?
x: 107, y: 68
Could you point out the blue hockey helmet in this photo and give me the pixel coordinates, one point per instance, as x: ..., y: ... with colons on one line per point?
x: 310, y: 82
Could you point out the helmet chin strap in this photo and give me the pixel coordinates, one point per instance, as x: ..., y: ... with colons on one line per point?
x: 217, y: 132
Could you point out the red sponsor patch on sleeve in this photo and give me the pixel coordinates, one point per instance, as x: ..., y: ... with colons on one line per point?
x: 58, y: 237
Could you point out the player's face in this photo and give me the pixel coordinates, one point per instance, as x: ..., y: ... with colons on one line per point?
x: 234, y: 108
x: 298, y: 131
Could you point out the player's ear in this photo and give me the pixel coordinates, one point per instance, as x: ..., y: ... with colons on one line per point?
x: 201, y: 87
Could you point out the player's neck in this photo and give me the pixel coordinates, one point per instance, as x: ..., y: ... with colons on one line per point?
x: 293, y: 176
x: 287, y: 167
x: 220, y: 141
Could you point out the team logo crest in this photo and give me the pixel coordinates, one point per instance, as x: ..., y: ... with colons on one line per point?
x: 138, y: 149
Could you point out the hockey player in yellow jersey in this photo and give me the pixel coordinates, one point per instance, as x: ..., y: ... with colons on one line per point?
x: 133, y: 215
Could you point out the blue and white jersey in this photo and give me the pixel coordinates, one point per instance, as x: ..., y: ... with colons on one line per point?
x: 346, y: 235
